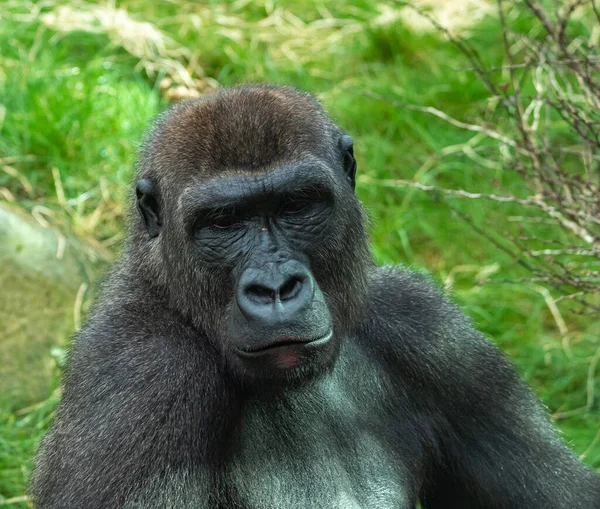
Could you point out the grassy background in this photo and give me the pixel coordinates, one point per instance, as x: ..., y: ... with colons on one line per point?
x: 79, y: 83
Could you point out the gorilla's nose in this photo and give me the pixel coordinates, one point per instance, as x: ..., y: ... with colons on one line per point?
x: 276, y: 293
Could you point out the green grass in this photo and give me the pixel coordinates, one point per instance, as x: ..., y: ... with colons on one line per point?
x: 79, y: 102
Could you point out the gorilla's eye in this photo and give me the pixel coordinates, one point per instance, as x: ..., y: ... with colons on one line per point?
x: 295, y: 207
x: 225, y: 222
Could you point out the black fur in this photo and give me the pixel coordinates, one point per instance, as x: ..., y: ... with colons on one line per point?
x: 406, y: 402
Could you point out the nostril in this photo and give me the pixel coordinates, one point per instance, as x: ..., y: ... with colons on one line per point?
x: 290, y: 289
x: 260, y: 293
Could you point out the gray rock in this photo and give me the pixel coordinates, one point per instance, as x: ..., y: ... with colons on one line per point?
x: 40, y: 275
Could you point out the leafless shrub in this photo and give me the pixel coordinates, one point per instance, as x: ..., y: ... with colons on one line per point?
x: 541, y: 133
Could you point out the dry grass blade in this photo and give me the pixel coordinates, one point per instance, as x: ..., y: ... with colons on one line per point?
x: 156, y: 52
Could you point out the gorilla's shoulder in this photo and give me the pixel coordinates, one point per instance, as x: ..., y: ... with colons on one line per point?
x: 409, y: 314
x: 397, y: 291
x: 128, y: 316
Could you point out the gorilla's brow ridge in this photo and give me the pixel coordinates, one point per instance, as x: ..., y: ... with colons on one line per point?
x: 230, y: 190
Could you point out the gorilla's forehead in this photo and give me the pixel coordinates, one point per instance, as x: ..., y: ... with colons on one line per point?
x: 246, y: 129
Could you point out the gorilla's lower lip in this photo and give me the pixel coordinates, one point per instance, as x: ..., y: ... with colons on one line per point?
x: 293, y: 343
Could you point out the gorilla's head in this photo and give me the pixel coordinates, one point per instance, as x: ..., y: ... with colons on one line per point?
x: 248, y: 222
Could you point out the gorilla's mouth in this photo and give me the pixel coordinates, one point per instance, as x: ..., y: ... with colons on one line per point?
x: 283, y: 343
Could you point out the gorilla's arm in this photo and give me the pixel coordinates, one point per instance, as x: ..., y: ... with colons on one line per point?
x: 134, y: 414
x: 495, y: 448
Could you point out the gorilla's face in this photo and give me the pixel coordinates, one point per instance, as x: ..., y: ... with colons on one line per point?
x: 267, y: 259
x: 266, y: 229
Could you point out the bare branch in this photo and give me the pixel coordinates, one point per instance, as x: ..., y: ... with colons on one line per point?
x: 535, y: 201
x: 444, y: 116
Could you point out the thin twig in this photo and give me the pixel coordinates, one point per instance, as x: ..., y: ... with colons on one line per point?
x: 533, y: 201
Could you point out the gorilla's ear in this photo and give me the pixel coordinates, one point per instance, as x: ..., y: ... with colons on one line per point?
x: 347, y: 146
x: 147, y: 203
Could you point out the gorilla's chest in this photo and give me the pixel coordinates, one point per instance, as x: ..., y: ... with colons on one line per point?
x: 319, y: 451
x: 364, y: 477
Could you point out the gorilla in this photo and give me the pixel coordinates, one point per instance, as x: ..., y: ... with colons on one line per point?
x: 247, y: 353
